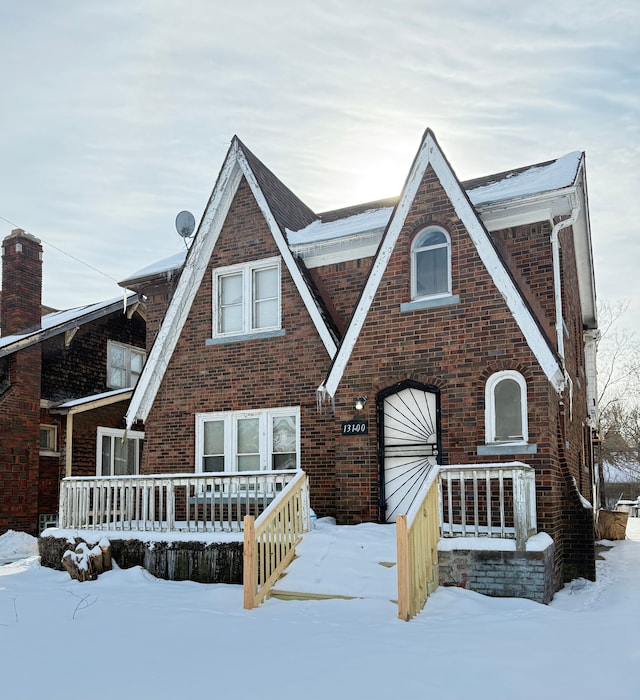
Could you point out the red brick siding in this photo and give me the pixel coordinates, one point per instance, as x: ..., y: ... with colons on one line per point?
x: 344, y: 282
x: 455, y: 348
x: 256, y: 374
x: 19, y: 443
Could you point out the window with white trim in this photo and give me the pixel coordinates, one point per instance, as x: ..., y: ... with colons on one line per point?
x: 48, y: 439
x: 431, y: 264
x: 119, y: 452
x: 240, y: 441
x: 246, y: 298
x: 124, y: 365
x: 506, y: 408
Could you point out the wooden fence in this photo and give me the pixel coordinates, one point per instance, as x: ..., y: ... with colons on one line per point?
x: 270, y: 541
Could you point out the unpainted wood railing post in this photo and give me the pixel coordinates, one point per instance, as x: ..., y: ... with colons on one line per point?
x: 250, y: 563
x: 402, y: 545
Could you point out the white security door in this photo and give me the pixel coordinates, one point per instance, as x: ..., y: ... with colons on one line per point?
x: 410, y: 439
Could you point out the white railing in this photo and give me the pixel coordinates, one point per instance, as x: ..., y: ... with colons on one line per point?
x: 488, y: 500
x: 168, y: 502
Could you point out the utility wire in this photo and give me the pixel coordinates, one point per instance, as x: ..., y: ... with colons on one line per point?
x: 64, y: 252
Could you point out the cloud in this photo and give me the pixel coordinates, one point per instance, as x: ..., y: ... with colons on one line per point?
x: 119, y: 114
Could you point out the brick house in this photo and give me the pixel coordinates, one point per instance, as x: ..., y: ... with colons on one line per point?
x: 65, y: 381
x: 454, y: 324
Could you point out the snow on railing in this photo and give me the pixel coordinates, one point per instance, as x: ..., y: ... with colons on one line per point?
x: 489, y: 500
x: 168, y: 502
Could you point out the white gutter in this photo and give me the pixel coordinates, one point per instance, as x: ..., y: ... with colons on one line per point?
x: 555, y: 250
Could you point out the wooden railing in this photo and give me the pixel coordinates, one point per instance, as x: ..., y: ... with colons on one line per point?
x: 270, y: 541
x: 489, y: 500
x: 417, y: 535
x: 169, y: 502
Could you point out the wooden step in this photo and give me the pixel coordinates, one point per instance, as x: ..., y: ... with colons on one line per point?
x: 298, y: 595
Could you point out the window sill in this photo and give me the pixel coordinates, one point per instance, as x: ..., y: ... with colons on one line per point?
x: 429, y: 303
x: 244, y: 337
x: 512, y: 448
x: 49, y: 453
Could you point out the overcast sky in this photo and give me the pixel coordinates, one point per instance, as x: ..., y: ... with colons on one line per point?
x: 117, y: 115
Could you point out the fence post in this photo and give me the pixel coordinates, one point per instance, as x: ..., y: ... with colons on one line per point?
x: 402, y: 546
x: 250, y: 563
x: 520, y: 510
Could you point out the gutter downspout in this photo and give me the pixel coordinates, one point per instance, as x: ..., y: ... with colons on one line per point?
x: 555, y: 250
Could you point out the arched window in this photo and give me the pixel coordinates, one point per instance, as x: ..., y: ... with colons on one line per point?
x: 506, y: 408
x: 431, y: 264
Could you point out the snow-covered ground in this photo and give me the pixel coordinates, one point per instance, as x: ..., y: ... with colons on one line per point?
x: 129, y: 635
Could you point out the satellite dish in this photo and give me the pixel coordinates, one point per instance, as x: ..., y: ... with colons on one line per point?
x: 185, y: 224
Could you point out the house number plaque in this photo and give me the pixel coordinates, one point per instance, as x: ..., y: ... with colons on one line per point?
x: 355, y: 427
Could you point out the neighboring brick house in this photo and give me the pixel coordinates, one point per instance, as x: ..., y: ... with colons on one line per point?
x: 458, y: 319
x: 65, y: 381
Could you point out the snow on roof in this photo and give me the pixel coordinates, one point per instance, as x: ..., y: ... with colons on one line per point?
x: 369, y: 220
x: 514, y: 184
x: 61, y: 319
x: 95, y: 397
x: 536, y: 179
x: 173, y: 262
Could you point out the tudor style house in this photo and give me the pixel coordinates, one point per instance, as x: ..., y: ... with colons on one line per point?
x: 453, y: 325
x: 65, y: 381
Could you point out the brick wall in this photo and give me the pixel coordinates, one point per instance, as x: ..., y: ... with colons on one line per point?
x: 506, y: 574
x: 255, y: 374
x: 455, y: 348
x: 19, y: 446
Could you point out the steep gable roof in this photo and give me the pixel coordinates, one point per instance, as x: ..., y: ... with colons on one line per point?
x: 429, y: 153
x: 280, y: 207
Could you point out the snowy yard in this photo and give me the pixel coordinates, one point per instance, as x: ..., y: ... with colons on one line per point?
x: 129, y: 635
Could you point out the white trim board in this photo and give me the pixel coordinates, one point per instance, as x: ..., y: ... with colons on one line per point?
x: 430, y: 154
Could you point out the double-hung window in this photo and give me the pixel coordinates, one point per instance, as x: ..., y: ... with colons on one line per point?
x: 118, y: 454
x: 246, y: 298
x: 506, y: 408
x: 124, y: 365
x: 431, y: 264
x: 247, y: 441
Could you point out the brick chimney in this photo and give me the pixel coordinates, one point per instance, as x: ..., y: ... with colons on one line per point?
x: 21, y: 301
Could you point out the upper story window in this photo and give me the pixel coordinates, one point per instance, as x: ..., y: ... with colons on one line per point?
x: 117, y: 454
x: 239, y: 441
x: 431, y: 264
x: 246, y: 298
x: 506, y: 408
x: 124, y: 365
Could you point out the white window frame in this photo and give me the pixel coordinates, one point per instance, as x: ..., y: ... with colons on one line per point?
x: 116, y: 434
x: 490, y: 407
x: 414, y: 266
x: 231, y: 419
x: 130, y: 350
x: 246, y: 270
x: 52, y: 433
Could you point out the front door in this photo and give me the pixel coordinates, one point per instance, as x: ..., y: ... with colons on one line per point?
x: 409, y: 416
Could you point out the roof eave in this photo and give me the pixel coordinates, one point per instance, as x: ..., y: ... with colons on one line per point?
x: 45, y: 334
